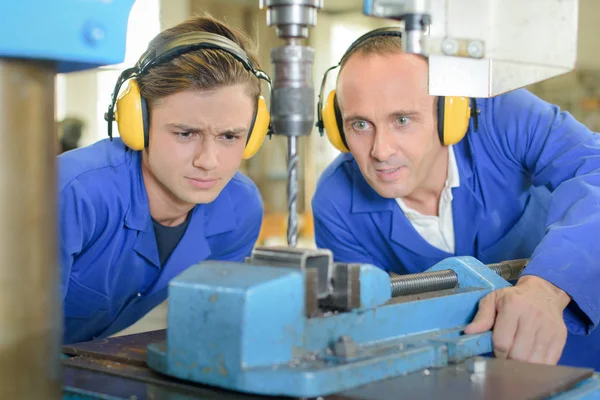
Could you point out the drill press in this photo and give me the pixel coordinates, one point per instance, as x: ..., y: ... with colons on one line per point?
x: 292, y: 95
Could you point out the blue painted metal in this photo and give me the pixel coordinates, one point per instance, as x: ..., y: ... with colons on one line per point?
x: 368, y: 7
x: 226, y: 307
x: 77, y: 34
x: 371, y: 281
x: 243, y: 327
x: 79, y: 394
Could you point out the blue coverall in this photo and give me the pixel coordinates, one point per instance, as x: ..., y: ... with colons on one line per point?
x: 110, y: 270
x: 529, y: 187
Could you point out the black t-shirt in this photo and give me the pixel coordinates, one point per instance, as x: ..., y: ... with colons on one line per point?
x: 167, y: 237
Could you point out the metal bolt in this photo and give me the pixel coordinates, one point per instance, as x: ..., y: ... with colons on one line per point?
x: 476, y: 365
x: 475, y: 49
x: 345, y: 347
x: 93, y: 33
x: 449, y: 46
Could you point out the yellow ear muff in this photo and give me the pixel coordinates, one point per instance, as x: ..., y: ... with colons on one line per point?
x: 258, y: 130
x: 332, y: 123
x: 453, y: 119
x: 131, y: 117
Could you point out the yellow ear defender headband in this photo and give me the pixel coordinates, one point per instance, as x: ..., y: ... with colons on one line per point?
x: 453, y: 113
x: 130, y: 109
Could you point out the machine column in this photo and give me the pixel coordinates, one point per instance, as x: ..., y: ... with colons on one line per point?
x: 30, y: 316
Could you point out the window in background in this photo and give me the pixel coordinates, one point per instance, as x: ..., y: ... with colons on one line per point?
x: 344, y: 34
x: 59, y: 97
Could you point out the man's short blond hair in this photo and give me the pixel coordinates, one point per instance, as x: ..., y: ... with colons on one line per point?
x: 375, y: 45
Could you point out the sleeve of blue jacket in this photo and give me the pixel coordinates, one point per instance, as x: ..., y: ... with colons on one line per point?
x: 77, y: 222
x: 562, y: 154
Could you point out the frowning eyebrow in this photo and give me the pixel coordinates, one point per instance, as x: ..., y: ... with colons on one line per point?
x: 190, y: 128
x: 234, y: 132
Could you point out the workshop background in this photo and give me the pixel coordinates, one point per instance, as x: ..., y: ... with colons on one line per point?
x: 82, y: 98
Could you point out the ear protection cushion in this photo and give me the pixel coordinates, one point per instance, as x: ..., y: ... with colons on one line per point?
x: 333, y: 124
x: 453, y: 118
x: 132, y: 117
x: 146, y: 119
x: 258, y: 129
x: 130, y: 109
x: 453, y: 113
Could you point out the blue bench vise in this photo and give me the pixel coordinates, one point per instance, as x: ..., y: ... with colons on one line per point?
x: 292, y: 322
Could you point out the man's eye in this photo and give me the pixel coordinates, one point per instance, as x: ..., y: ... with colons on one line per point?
x: 184, y: 135
x: 360, y: 125
x: 402, y: 120
x: 230, y: 138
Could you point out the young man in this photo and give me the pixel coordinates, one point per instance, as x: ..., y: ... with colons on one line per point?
x: 524, y: 182
x: 137, y: 210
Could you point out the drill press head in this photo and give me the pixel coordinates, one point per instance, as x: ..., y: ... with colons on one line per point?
x: 486, y: 48
x: 292, y: 102
x: 414, y: 14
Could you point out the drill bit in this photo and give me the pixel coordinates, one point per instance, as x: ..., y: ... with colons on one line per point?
x: 292, y: 93
x: 292, y: 115
x: 292, y: 191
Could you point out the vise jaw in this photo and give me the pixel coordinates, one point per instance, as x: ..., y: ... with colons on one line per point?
x: 328, y: 286
x: 291, y: 322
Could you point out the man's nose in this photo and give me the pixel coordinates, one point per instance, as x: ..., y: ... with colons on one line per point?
x: 206, y: 156
x: 383, y: 146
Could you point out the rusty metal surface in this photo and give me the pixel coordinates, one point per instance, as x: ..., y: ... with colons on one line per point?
x: 100, y: 386
x: 499, y: 380
x: 120, y: 362
x: 129, y: 349
x: 77, y: 381
x: 109, y: 377
x: 117, y: 365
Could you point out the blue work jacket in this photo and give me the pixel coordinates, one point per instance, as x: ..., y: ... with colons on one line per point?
x: 529, y: 187
x: 110, y: 270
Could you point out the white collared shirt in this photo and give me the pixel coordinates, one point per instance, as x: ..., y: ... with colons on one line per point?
x: 437, y: 231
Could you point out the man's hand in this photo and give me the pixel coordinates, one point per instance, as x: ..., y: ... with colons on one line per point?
x: 527, y: 320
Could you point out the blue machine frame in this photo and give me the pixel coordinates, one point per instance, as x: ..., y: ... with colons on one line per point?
x: 84, y: 34
x: 245, y: 327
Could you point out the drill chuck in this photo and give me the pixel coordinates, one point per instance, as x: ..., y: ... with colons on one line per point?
x: 292, y: 109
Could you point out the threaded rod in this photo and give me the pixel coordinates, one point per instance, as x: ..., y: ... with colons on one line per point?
x: 509, y: 270
x: 403, y: 285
